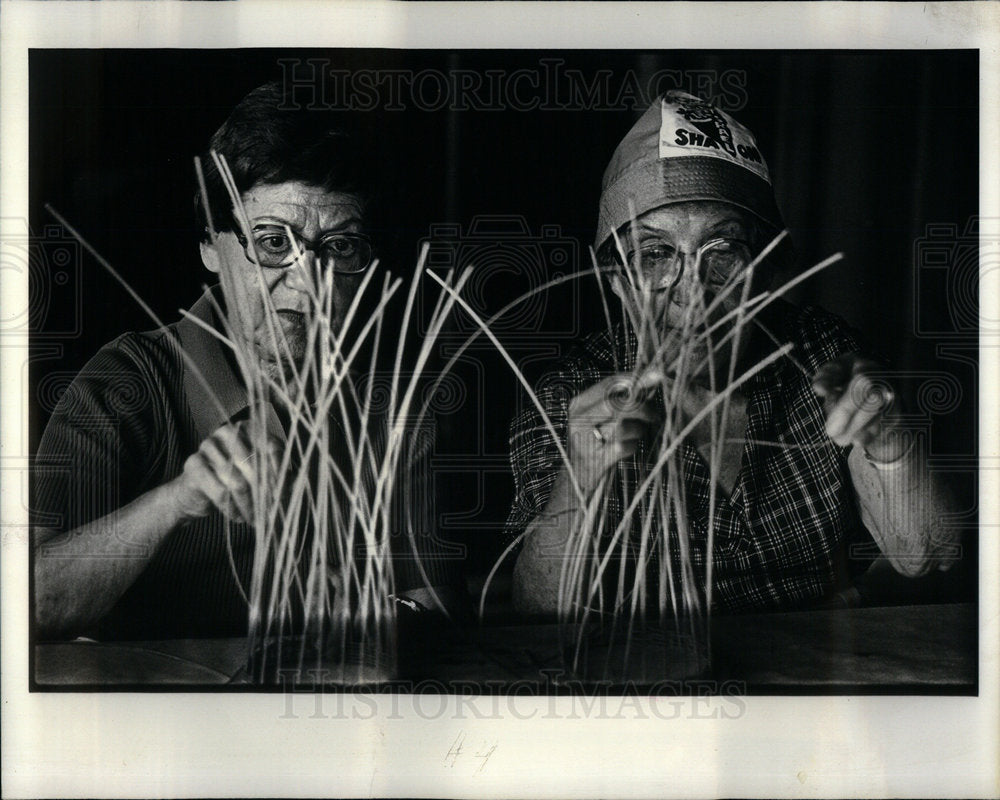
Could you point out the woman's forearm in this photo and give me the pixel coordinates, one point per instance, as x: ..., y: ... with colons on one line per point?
x: 536, y: 574
x: 81, y: 574
x: 905, y: 507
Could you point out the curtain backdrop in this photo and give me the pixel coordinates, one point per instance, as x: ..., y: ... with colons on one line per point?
x: 873, y: 154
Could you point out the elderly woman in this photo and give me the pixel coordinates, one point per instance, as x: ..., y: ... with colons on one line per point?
x: 147, y: 512
x: 812, y: 462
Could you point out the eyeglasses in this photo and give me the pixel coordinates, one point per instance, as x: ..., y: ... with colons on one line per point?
x: 275, y: 247
x: 717, y: 261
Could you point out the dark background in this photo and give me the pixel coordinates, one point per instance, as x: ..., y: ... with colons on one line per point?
x: 874, y: 154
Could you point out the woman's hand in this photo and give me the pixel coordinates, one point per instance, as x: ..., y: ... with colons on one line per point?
x: 607, y: 421
x: 856, y: 397
x: 221, y: 474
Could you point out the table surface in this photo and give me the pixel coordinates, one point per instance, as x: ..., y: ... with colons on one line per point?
x: 899, y: 649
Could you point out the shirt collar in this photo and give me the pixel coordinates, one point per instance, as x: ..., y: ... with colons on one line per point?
x: 215, y: 392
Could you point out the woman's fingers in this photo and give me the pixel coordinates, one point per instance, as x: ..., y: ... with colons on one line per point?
x: 230, y: 454
x: 608, y: 420
x: 616, y: 393
x: 857, y: 414
x: 855, y: 400
x: 628, y: 433
x: 224, y: 470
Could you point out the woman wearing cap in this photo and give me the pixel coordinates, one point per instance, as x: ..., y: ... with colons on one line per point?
x: 806, y: 472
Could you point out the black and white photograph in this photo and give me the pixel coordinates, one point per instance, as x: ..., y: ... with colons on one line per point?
x: 464, y: 397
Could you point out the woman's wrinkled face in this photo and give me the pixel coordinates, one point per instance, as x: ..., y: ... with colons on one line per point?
x: 685, y: 265
x: 308, y: 212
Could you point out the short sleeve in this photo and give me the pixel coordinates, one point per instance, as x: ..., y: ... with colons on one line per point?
x: 103, y: 440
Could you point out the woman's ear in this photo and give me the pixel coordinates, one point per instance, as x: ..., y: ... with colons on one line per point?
x: 210, y: 257
x: 618, y: 287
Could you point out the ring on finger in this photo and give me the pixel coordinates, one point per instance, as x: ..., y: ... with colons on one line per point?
x: 599, y: 435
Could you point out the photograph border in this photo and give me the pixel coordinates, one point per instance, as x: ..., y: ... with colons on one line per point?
x: 75, y: 744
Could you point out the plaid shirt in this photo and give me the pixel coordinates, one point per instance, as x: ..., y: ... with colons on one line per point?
x: 781, y: 537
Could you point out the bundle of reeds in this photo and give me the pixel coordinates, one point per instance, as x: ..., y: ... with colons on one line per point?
x: 323, y: 499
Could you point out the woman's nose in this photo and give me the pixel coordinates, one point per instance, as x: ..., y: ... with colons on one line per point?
x: 298, y: 276
x: 686, y: 282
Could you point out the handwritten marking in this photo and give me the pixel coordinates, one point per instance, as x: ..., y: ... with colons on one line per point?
x: 455, y: 750
x: 484, y: 756
x: 483, y: 752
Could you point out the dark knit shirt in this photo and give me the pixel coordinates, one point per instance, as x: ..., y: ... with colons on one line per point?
x: 782, y: 536
x: 126, y: 425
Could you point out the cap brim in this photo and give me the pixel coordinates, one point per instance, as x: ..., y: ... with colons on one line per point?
x: 654, y: 184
